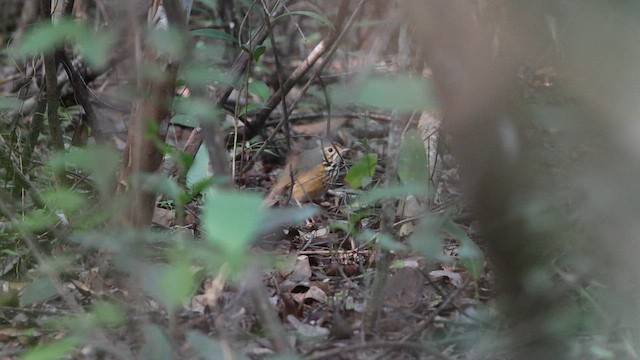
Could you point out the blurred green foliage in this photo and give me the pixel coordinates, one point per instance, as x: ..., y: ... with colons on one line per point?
x: 167, y: 265
x: 45, y: 38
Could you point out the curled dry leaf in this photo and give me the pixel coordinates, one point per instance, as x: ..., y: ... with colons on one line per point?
x: 307, y: 330
x: 411, y: 208
x: 301, y: 269
x: 164, y: 217
x: 406, y: 229
x: 312, y: 293
x: 285, y: 264
x: 96, y: 283
x: 212, y: 291
x: 404, y: 288
x: 454, y: 278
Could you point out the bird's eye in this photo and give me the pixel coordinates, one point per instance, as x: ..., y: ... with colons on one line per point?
x: 330, y: 150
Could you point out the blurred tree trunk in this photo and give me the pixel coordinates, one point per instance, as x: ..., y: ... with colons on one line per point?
x: 28, y: 15
x: 583, y: 217
x: 477, y: 82
x: 150, y: 117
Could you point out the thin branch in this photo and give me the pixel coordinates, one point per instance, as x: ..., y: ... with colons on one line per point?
x: 279, y: 73
x: 298, y: 117
x: 386, y: 225
x: 424, y: 323
x: 81, y: 93
x: 210, y: 129
x: 389, y: 205
x: 6, y: 155
x: 37, y: 123
x: 266, y: 313
x: 329, y: 42
x: 316, y: 73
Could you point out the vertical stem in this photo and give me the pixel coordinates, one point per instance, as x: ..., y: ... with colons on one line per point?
x: 383, y: 260
x: 37, y: 122
x: 52, y: 86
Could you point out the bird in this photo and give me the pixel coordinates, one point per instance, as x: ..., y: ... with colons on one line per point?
x: 307, y: 176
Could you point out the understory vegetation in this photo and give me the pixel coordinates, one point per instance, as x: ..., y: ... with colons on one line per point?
x: 464, y: 179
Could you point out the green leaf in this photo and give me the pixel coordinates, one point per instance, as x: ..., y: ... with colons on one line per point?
x: 184, y: 120
x: 396, y: 192
x: 177, y: 283
x: 102, y: 162
x: 600, y: 352
x: 204, y: 346
x: 96, y: 47
x: 46, y: 37
x: 277, y: 217
x: 401, y: 93
x: 170, y: 42
x: 258, y: 52
x: 214, y: 34
x: 172, y: 190
x: 385, y: 241
x: 361, y: 173
x: 201, y: 186
x: 169, y: 284
x: 231, y: 221
x: 259, y: 89
x: 107, y: 314
x: 38, y: 291
x: 412, y: 163
x: 9, y: 102
x: 38, y: 220
x: 249, y: 108
x: 428, y: 240
x: 469, y: 254
x: 64, y: 200
x: 201, y: 75
x: 156, y: 345
x: 55, y: 350
x: 211, y: 4
x: 310, y: 14
x: 197, y: 108
x: 471, y: 258
x: 199, y: 170
x: 10, y: 252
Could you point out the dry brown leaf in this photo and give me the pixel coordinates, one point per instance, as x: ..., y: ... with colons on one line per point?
x: 404, y: 288
x: 307, y: 330
x: 454, y: 278
x: 406, y: 229
x: 301, y: 270
x: 212, y: 291
x: 312, y: 293
x: 164, y: 217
